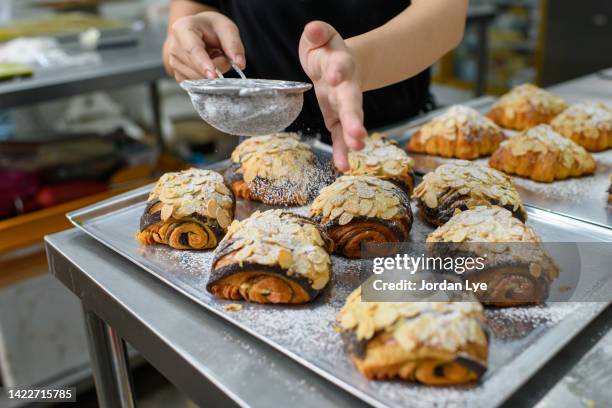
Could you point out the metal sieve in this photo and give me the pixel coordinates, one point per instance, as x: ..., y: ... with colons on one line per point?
x: 247, y: 107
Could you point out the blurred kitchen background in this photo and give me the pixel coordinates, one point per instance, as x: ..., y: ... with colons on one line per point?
x: 87, y: 112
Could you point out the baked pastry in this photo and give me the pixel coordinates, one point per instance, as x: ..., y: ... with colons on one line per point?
x: 382, y: 158
x: 588, y: 124
x: 434, y: 343
x: 526, y: 106
x: 460, y: 132
x: 271, y: 257
x: 277, y: 169
x: 542, y: 154
x: 360, y: 209
x: 190, y: 209
x: 463, y: 185
x: 514, y: 265
x: 610, y: 191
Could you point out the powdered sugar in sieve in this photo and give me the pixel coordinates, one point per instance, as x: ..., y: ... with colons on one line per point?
x: 247, y: 107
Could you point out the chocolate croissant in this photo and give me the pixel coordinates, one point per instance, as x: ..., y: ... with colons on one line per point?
x: 190, y: 209
x: 360, y: 209
x: 542, y: 154
x: 382, y: 158
x: 514, y: 265
x: 271, y: 257
x: 464, y: 185
x: 526, y: 106
x: 277, y: 170
x: 434, y: 343
x: 460, y: 132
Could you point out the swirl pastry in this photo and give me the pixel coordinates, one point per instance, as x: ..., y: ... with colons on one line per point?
x: 587, y: 124
x: 526, y: 106
x: 382, y: 158
x: 542, y: 154
x: 277, y: 170
x: 359, y: 209
x: 271, y: 257
x: 434, y: 343
x: 460, y: 132
x: 463, y: 185
x: 190, y: 209
x: 516, y: 269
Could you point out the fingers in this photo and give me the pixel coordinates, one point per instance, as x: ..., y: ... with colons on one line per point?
x: 192, y: 47
x: 231, y: 44
x: 350, y: 113
x: 182, y: 71
x: 317, y: 33
x: 340, y: 150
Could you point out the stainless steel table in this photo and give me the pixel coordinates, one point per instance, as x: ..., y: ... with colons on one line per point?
x: 119, y: 67
x: 214, y: 363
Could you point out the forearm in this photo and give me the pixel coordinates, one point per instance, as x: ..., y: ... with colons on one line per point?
x: 409, y: 43
x: 178, y: 9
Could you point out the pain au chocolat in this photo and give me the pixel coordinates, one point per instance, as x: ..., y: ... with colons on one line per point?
x: 382, y: 158
x: 516, y: 268
x: 434, y: 343
x: 526, y: 106
x: 464, y: 185
x: 271, y: 257
x: 277, y: 170
x: 542, y: 154
x: 587, y: 124
x: 359, y: 209
x: 460, y: 132
x: 190, y: 209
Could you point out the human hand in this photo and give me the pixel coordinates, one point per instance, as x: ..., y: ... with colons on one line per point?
x: 196, y: 44
x: 329, y: 63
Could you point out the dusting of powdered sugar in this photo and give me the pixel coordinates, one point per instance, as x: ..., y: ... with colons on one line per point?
x: 308, y: 332
x: 575, y: 189
x: 571, y: 191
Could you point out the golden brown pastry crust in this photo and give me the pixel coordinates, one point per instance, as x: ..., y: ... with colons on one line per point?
x: 587, y: 124
x: 277, y: 170
x: 464, y: 185
x: 383, y: 159
x: 516, y: 268
x: 361, y: 209
x: 190, y: 209
x: 460, y: 132
x: 526, y: 106
x: 543, y: 155
x: 271, y: 257
x: 434, y: 343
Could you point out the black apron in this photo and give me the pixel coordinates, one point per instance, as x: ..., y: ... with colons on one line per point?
x: 271, y: 30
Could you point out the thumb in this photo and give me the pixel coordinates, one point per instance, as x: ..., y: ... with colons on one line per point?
x: 317, y: 34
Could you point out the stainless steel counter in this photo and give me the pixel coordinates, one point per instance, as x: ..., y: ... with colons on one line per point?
x: 119, y: 67
x: 215, y: 363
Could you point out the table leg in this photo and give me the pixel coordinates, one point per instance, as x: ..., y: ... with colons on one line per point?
x: 156, y: 110
x: 482, y: 58
x: 109, y: 364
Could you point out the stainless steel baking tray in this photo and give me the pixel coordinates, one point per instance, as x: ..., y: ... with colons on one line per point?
x: 583, y: 198
x: 523, y: 339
